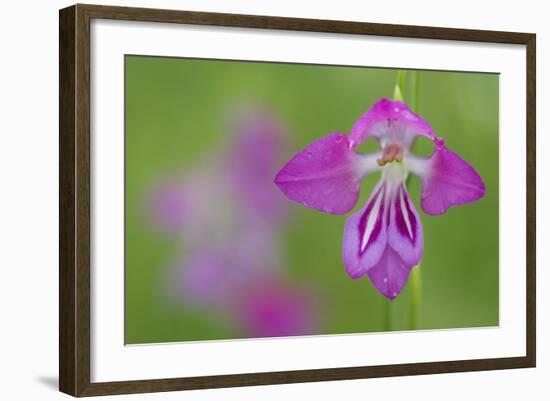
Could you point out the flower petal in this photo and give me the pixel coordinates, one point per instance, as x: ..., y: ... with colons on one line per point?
x: 365, y: 234
x: 405, y: 228
x: 324, y: 176
x: 390, y: 121
x: 390, y: 274
x: 448, y: 180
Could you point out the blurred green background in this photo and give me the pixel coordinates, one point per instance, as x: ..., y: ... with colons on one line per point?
x: 175, y: 110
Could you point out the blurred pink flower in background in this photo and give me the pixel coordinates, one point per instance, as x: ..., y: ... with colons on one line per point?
x: 273, y: 308
x: 228, y: 216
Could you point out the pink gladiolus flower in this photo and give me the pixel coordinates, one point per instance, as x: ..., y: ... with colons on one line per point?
x: 384, y: 238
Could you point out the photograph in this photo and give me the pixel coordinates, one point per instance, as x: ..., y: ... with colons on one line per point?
x: 269, y: 199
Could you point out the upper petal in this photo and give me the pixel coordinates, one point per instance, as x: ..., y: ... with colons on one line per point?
x: 405, y: 228
x: 390, y: 121
x: 390, y: 274
x: 325, y: 175
x: 365, y: 234
x: 448, y: 180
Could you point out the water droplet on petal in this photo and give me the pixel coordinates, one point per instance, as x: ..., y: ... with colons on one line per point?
x: 385, y: 279
x: 309, y: 155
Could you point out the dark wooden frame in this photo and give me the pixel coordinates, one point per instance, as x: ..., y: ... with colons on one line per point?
x: 74, y: 199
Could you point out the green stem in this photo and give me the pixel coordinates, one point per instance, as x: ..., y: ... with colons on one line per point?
x: 387, y: 314
x: 399, y: 85
x: 415, y: 91
x: 416, y: 297
x: 413, y: 97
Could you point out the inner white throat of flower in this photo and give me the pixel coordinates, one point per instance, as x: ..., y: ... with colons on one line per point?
x: 392, y: 163
x: 394, y: 173
x: 395, y: 162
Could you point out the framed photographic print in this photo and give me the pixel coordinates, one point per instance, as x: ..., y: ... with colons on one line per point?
x: 250, y: 200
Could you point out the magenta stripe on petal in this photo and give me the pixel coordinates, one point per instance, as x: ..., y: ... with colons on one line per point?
x: 405, y: 228
x: 364, y: 243
x: 404, y: 214
x: 324, y: 176
x: 449, y: 181
x: 379, y: 196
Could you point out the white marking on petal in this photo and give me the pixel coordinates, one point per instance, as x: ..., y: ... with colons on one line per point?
x: 418, y: 165
x: 367, y: 163
x: 373, y: 216
x: 405, y: 213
